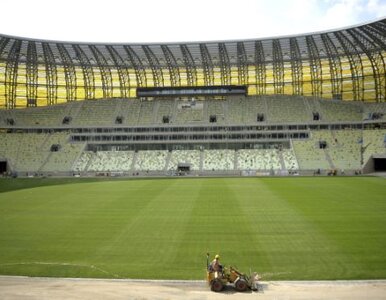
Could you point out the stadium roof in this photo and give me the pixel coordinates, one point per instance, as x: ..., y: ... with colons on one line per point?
x: 306, y: 62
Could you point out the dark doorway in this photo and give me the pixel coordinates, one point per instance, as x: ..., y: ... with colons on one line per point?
x: 3, y: 167
x: 380, y: 164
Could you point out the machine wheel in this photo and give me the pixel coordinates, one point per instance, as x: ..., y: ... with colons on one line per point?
x: 216, y: 285
x: 241, y: 285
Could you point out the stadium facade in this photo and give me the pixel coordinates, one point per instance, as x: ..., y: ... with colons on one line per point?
x: 306, y: 104
x: 346, y: 64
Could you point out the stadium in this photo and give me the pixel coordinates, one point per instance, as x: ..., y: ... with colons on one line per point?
x: 113, y: 154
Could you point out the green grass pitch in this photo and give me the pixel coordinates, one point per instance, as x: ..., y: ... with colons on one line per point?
x: 283, y: 228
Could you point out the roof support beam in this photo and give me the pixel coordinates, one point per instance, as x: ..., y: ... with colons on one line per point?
x: 32, y: 74
x: 224, y: 64
x: 51, y: 74
x: 278, y: 67
x: 335, y: 66
x: 190, y: 66
x: 107, y: 78
x: 139, y: 69
x: 315, y: 67
x: 11, y: 74
x: 174, y: 70
x: 207, y: 65
x: 69, y: 72
x: 261, y: 77
x: 356, y: 66
x: 158, y: 78
x: 377, y: 63
x: 88, y: 73
x: 242, y: 64
x: 123, y: 73
x: 296, y: 67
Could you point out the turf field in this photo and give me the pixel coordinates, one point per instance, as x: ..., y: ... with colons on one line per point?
x: 283, y: 228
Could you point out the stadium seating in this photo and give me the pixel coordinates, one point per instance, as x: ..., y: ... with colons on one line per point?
x: 336, y: 111
x: 30, y: 152
x: 190, y: 157
x: 285, y: 109
x: 150, y: 160
x: 218, y: 160
x: 374, y: 142
x: 106, y: 161
x: 259, y: 159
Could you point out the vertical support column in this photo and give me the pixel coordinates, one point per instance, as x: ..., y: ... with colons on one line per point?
x: 242, y: 64
x: 189, y: 65
x: 88, y: 73
x: 261, y: 76
x: 107, y: 78
x: 376, y: 60
x: 278, y: 68
x: 315, y: 66
x: 335, y: 66
x: 174, y: 71
x: 3, y: 43
x: 51, y: 74
x: 158, y: 78
x: 11, y: 74
x: 379, y: 42
x: 123, y: 73
x: 140, y: 71
x: 32, y: 74
x: 207, y: 65
x: 69, y: 72
x: 224, y: 65
x: 296, y: 67
x: 356, y: 66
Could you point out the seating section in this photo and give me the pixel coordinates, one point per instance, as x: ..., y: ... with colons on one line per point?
x: 259, y: 159
x: 219, y: 160
x: 339, y: 111
x: 345, y: 149
x: 24, y: 152
x: 374, y: 142
x: 165, y: 109
x: 189, y: 112
x: 309, y: 155
x: 191, y: 157
x: 285, y: 109
x: 93, y: 112
x: 276, y: 109
x: 289, y: 159
x: 342, y: 150
x: 62, y: 160
x: 107, y: 161
x: 31, y: 152
x: 151, y: 160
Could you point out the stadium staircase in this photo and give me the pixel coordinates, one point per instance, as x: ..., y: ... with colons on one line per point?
x: 201, y: 160
x: 236, y: 160
x: 133, y: 163
x: 328, y: 158
x: 167, y: 160
x: 281, y: 159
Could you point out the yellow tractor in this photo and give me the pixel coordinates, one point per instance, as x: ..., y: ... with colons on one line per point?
x: 217, y: 280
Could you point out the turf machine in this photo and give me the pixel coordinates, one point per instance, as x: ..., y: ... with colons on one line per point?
x: 217, y: 280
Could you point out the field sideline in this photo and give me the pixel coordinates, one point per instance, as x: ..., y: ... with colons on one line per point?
x: 284, y: 228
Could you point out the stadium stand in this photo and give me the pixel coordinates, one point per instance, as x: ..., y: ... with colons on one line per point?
x: 273, y: 106
x: 191, y: 158
x: 218, y: 160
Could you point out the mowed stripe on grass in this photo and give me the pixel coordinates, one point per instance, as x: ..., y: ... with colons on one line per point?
x: 284, y: 228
